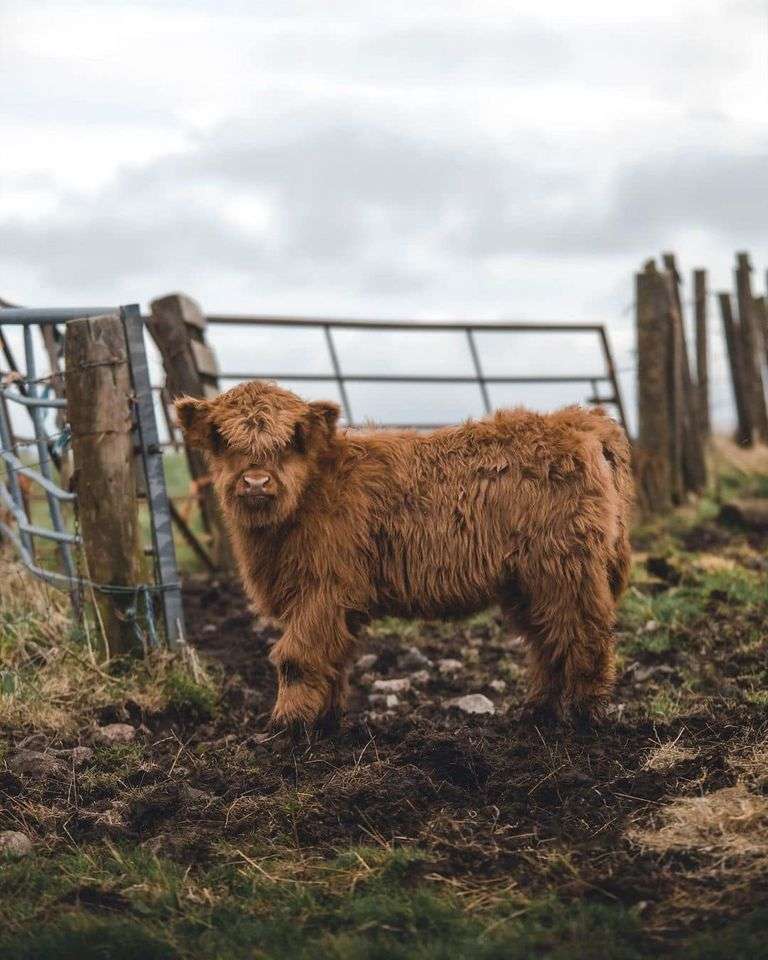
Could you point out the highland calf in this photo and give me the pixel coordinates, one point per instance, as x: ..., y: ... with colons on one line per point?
x: 333, y: 527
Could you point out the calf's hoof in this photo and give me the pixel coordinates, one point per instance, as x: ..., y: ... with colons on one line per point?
x: 581, y: 715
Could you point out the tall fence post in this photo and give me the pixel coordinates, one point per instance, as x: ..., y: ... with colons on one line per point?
x: 694, y: 465
x: 752, y: 361
x: 654, y: 446
x: 744, y: 429
x: 760, y: 307
x: 99, y: 403
x: 177, y: 325
x: 702, y: 349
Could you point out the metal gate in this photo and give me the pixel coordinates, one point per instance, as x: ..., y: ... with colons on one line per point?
x: 38, y: 394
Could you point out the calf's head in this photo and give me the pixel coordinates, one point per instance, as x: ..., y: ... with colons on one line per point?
x: 263, y: 445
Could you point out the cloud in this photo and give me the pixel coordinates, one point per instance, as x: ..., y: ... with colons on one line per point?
x: 334, y: 196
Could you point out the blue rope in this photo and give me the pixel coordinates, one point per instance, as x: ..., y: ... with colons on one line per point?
x: 62, y: 441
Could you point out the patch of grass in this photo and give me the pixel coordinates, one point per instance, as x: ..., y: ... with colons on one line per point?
x: 52, y: 675
x: 193, y: 700
x: 742, y: 938
x: 394, y: 626
x: 660, y: 622
x: 365, y: 903
x: 666, y: 704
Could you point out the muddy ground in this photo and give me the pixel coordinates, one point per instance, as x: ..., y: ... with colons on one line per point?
x: 492, y: 806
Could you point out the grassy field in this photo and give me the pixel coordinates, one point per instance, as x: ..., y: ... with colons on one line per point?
x: 420, y: 831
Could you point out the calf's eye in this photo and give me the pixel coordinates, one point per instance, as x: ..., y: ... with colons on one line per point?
x: 217, y: 441
x: 299, y: 441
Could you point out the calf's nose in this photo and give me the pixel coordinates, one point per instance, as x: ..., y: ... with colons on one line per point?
x: 256, y: 481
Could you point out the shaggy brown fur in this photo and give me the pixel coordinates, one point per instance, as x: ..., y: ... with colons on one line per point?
x: 331, y: 528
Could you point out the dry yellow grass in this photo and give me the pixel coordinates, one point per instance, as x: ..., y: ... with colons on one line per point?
x: 731, y: 823
x: 668, y: 755
x: 51, y: 666
x: 749, y: 460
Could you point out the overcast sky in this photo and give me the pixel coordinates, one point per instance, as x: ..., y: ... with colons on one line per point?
x: 434, y: 159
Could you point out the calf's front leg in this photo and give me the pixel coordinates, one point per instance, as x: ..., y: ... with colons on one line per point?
x: 312, y: 663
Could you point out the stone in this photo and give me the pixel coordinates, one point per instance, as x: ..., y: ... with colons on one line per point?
x: 414, y: 659
x: 39, y: 766
x: 367, y: 661
x: 14, y: 845
x: 115, y: 733
x: 498, y: 686
x: 419, y: 678
x: 392, y: 701
x: 400, y: 685
x: 76, y: 756
x: 474, y: 703
x: 449, y: 666
x: 193, y: 795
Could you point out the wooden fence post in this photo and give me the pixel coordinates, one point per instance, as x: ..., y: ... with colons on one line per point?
x: 702, y: 351
x: 653, y: 460
x: 694, y: 465
x: 99, y: 404
x: 752, y: 361
x: 744, y: 429
x: 177, y: 325
x: 760, y: 307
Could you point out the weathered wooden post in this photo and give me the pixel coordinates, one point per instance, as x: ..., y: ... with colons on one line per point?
x: 760, y: 307
x: 655, y: 440
x: 693, y: 461
x: 744, y: 428
x: 702, y: 351
x: 99, y: 404
x: 177, y: 325
x: 753, y: 374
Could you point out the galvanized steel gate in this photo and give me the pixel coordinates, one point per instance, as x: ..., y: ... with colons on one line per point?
x: 34, y: 393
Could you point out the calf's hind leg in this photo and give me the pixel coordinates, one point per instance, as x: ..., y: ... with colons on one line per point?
x: 570, y: 618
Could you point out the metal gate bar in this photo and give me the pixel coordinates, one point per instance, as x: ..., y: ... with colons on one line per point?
x: 470, y: 327
x: 164, y: 550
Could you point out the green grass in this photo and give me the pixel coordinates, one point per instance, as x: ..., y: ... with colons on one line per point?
x: 365, y: 903
x: 658, y: 623
x: 113, y: 903
x: 195, y: 701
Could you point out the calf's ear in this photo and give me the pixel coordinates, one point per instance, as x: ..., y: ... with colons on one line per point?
x: 326, y: 414
x: 193, y: 417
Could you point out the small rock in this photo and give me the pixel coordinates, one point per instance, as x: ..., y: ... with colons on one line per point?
x: 400, y: 685
x: 367, y: 661
x: 81, y: 755
x: 14, y: 845
x: 193, y: 795
x: 77, y: 756
x: 419, y: 678
x: 499, y: 686
x: 392, y: 701
x: 651, y: 626
x: 473, y: 703
x: 414, y: 659
x: 260, y: 738
x: 209, y: 628
x: 39, y: 766
x: 115, y: 733
x: 449, y: 666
